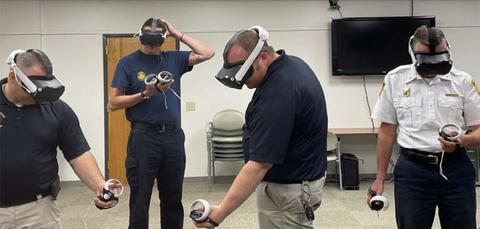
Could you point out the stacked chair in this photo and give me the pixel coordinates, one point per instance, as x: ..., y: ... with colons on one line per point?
x: 334, y: 155
x: 224, y: 140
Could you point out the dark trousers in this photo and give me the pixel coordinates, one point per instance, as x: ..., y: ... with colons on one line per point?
x: 419, y: 189
x: 160, y: 155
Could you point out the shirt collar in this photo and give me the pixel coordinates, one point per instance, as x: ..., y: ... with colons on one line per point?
x: 413, y: 75
x: 3, y: 99
x: 274, y: 65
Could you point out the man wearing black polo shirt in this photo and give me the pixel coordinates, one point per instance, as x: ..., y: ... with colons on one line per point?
x: 31, y: 129
x: 156, y: 145
x: 284, y: 138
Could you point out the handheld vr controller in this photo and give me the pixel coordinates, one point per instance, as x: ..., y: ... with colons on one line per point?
x: 112, y: 189
x: 162, y: 77
x: 377, y: 202
x: 450, y: 132
x: 199, y: 211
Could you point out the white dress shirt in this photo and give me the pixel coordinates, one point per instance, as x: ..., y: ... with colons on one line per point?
x: 420, y: 107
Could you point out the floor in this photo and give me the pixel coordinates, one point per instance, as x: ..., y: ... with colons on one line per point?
x: 339, y: 210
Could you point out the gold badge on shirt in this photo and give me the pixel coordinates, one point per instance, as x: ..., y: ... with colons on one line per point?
x: 406, y: 91
x: 141, y: 76
x: 476, y: 86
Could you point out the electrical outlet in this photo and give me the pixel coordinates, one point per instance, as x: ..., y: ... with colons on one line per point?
x: 190, y: 106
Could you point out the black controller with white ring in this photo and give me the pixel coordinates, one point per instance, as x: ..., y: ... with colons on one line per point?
x: 377, y: 202
x: 450, y: 132
x: 109, y: 193
x: 199, y: 212
x: 162, y: 78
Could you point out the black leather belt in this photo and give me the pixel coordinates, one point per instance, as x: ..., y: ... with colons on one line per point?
x: 431, y: 158
x: 157, y: 128
x: 17, y: 202
x: 294, y: 181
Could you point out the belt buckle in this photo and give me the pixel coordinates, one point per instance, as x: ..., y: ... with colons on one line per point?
x: 435, y: 159
x: 163, y: 128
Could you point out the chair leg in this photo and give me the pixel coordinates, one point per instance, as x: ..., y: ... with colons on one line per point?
x: 213, y: 171
x: 209, y: 171
x: 339, y: 157
x: 209, y: 162
x: 336, y: 171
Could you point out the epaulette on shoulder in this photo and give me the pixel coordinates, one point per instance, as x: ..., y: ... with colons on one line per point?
x: 455, y: 72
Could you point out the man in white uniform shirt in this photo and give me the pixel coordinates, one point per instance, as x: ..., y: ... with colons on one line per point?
x: 415, y: 102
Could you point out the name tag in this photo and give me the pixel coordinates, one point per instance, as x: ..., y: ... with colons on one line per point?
x: 451, y: 95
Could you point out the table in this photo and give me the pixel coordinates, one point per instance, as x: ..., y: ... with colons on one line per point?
x: 348, y: 131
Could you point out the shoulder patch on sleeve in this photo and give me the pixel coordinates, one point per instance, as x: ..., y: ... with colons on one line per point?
x: 476, y: 86
x: 381, y: 88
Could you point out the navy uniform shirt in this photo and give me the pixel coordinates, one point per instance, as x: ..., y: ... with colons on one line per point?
x: 129, y: 78
x: 286, y: 122
x: 29, y: 137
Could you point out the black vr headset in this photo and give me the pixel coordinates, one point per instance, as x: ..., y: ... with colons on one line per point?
x: 41, y: 88
x: 431, y: 63
x: 152, y: 36
x: 234, y: 75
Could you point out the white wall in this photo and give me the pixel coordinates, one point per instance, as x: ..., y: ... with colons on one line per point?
x: 71, y: 33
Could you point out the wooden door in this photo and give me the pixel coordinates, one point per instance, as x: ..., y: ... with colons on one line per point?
x: 117, y: 127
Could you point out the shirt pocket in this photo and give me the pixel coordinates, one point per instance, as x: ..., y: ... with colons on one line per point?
x: 409, y: 111
x: 450, y: 110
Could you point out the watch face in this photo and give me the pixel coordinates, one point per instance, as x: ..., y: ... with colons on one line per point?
x: 143, y: 95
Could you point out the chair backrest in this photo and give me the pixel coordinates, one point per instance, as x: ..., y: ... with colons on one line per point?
x: 228, y: 120
x: 331, y: 141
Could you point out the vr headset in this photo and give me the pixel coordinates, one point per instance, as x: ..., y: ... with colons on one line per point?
x: 234, y: 75
x: 431, y: 63
x: 152, y: 36
x: 41, y: 88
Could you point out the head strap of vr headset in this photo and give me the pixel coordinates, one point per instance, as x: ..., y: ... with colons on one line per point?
x: 153, y: 27
x: 42, y: 57
x: 262, y: 39
x: 45, y: 60
x: 412, y: 53
x: 18, y: 72
x: 431, y: 44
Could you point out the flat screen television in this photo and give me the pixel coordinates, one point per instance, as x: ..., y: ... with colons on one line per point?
x: 372, y: 45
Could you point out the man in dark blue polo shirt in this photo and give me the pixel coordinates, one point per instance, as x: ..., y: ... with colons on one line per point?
x: 285, y: 134
x: 33, y: 123
x: 156, y: 144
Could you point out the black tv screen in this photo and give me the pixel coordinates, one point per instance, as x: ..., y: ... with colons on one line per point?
x: 372, y: 45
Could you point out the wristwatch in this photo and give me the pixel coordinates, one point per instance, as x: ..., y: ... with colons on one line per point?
x: 143, y: 95
x: 210, y: 221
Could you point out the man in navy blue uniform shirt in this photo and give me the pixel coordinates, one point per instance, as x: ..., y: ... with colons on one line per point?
x: 32, y: 126
x: 156, y: 143
x: 284, y: 138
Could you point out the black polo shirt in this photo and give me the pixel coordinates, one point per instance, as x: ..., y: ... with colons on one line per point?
x: 286, y: 122
x: 29, y: 137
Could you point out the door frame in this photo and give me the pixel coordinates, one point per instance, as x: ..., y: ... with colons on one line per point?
x: 106, y: 88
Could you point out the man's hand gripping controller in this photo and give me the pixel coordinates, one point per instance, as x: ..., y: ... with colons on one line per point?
x: 112, y: 189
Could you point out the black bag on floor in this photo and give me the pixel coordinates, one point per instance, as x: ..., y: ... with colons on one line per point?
x: 350, y: 176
